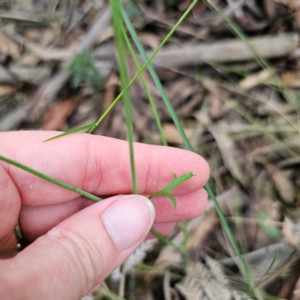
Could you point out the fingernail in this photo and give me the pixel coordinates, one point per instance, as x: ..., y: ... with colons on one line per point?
x: 128, y: 220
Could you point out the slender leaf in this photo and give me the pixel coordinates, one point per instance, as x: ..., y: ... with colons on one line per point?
x: 175, y: 182
x: 50, y: 179
x: 164, y: 239
x: 187, y: 142
x: 82, y: 128
x: 147, y: 90
x: 121, y: 47
x: 145, y: 64
x: 151, y: 68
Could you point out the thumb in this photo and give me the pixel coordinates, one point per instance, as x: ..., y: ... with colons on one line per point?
x: 80, y: 252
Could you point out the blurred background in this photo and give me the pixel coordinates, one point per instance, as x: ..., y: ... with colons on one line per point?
x: 231, y: 72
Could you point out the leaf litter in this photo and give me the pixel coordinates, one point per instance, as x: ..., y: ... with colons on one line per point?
x: 241, y: 116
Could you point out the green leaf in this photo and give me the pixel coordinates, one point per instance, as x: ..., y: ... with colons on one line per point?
x: 123, y: 67
x: 175, y: 182
x: 164, y: 239
x: 50, y: 179
x: 71, y: 131
x: 83, y: 69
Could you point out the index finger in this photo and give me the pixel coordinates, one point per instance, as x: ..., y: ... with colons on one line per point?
x: 96, y: 164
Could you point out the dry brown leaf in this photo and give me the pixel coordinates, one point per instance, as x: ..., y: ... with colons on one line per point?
x: 254, y: 80
x: 270, y: 6
x: 149, y: 40
x: 295, y: 6
x: 173, y: 136
x: 283, y: 183
x: 6, y: 90
x: 169, y: 258
x: 8, y: 46
x: 28, y: 59
x: 296, y: 293
x: 180, y: 90
x: 229, y: 152
x: 291, y: 232
x: 201, y: 232
x: 216, y: 103
x: 55, y: 118
x: 291, y: 79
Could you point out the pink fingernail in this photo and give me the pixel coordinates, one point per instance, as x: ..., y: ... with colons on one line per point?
x: 128, y: 220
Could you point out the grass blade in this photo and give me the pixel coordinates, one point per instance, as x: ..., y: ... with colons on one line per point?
x: 50, y: 179
x: 151, y: 68
x: 75, y: 130
x: 144, y: 66
x: 147, y: 90
x: 122, y: 60
x: 165, y: 240
x: 187, y: 142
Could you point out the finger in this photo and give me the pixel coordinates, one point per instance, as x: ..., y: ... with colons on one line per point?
x: 36, y: 221
x: 80, y: 252
x: 99, y: 165
x: 10, y: 203
x: 189, y: 206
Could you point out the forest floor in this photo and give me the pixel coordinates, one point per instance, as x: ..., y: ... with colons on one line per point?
x: 231, y: 72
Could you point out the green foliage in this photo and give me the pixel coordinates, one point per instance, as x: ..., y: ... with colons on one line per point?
x: 50, y: 179
x: 84, y: 70
x: 175, y: 182
x: 78, y: 129
x: 122, y: 61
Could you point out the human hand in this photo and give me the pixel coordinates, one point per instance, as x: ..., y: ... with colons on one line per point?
x: 76, y: 245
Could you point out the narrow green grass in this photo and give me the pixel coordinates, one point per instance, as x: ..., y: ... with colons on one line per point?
x: 147, y: 90
x: 187, y: 142
x: 50, y: 179
x: 122, y: 61
x: 122, y: 43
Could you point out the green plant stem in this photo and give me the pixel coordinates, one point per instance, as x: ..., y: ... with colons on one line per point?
x: 121, y: 47
x: 230, y: 236
x: 187, y: 142
x: 144, y: 66
x: 148, y: 93
x: 50, y: 179
x: 165, y: 240
x: 108, y: 294
x: 152, y: 70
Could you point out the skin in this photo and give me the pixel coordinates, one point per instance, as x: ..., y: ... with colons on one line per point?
x: 68, y: 234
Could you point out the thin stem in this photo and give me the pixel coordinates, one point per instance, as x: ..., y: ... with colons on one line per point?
x: 151, y: 68
x: 50, y: 179
x: 144, y: 66
x: 187, y: 142
x: 148, y: 93
x: 121, y: 47
x: 164, y: 239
